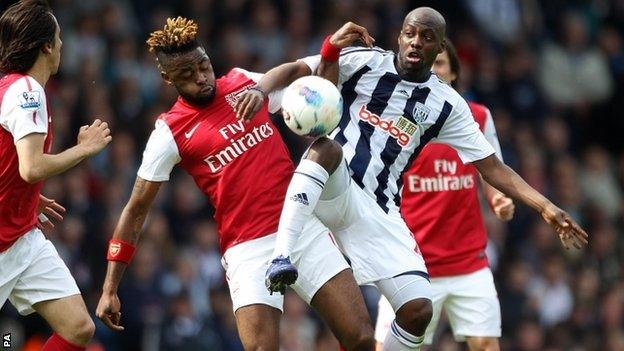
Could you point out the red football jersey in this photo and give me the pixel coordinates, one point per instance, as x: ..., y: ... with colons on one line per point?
x: 243, y: 168
x: 441, y: 207
x: 23, y: 110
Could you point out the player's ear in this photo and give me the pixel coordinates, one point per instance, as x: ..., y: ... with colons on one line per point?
x: 442, y: 46
x: 47, y: 48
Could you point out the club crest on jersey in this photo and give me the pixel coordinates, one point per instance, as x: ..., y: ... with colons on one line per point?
x: 233, y: 97
x: 29, y: 100
x: 421, y: 112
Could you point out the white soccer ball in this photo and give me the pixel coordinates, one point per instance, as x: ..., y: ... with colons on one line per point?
x: 312, y: 106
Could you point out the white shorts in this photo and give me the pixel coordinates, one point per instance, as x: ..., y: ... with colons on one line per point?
x: 32, y: 271
x: 470, y: 301
x: 316, y: 256
x: 378, y: 244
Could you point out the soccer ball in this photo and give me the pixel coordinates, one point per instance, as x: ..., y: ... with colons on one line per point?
x: 312, y: 106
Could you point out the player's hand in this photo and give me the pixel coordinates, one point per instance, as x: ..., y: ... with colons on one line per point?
x: 249, y: 103
x: 109, y: 311
x: 503, y: 207
x: 94, y: 138
x: 570, y: 233
x: 348, y: 34
x: 48, y: 208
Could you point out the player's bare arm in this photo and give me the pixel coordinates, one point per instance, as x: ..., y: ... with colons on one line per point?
x: 128, y: 229
x: 276, y: 78
x: 509, y: 182
x: 35, y: 165
x: 348, y: 34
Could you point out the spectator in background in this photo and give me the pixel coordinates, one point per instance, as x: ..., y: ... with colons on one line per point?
x: 573, y: 71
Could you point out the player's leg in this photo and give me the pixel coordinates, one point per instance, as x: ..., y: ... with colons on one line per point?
x: 482, y: 343
x: 326, y: 283
x: 258, y: 327
x: 48, y: 288
x: 341, y: 306
x: 69, y: 319
x: 257, y: 312
x: 304, y: 191
x: 410, y: 297
x: 385, y: 315
x: 474, y: 310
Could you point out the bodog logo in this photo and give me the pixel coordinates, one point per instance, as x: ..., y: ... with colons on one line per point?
x: 388, y: 126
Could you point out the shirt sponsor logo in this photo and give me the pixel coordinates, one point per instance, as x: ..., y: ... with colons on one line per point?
x: 237, y: 146
x: 29, y: 100
x: 445, y: 180
x: 402, y: 129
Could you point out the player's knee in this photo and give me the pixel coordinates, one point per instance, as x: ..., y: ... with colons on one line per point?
x: 325, y: 152
x: 483, y: 344
x: 363, y: 339
x: 414, y: 316
x: 82, y: 331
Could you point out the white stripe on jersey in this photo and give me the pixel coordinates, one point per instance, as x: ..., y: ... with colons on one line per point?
x: 388, y: 118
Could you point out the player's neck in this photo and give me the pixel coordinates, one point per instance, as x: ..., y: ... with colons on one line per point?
x: 416, y: 77
x: 40, y: 72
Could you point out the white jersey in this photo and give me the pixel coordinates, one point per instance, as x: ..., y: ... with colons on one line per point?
x: 386, y: 121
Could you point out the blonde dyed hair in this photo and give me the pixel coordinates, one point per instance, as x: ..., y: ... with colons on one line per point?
x: 179, y: 34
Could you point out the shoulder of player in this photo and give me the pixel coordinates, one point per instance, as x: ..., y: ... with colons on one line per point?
x: 362, y: 50
x: 23, y: 91
x: 479, y: 112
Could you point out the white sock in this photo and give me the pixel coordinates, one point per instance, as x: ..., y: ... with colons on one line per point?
x: 398, y: 339
x: 302, y: 196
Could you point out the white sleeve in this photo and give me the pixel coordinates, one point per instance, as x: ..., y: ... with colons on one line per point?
x: 275, y: 97
x: 489, y: 130
x: 351, y: 60
x: 462, y: 132
x: 24, y: 109
x: 160, y: 155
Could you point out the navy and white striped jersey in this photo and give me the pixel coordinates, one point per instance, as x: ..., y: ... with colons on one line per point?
x: 386, y: 121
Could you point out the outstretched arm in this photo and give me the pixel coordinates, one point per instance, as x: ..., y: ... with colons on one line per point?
x: 128, y: 230
x: 509, y: 182
x: 277, y: 78
x: 35, y: 165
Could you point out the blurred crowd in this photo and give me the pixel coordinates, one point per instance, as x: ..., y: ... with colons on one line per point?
x: 552, y: 72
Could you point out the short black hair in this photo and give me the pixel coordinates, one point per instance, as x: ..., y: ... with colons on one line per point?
x: 24, y: 28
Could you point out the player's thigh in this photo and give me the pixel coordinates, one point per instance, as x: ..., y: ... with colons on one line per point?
x: 473, y: 307
x: 341, y: 306
x: 46, y: 279
x: 245, y: 266
x: 68, y: 316
x: 258, y: 327
x: 257, y: 312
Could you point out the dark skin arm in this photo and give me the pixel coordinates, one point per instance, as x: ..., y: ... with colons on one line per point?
x: 279, y: 77
x: 510, y: 183
x: 129, y: 230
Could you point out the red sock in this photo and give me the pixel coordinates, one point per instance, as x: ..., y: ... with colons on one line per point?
x: 57, y: 343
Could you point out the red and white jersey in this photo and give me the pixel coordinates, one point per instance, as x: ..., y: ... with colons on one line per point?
x: 23, y: 111
x: 243, y: 168
x: 441, y: 207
